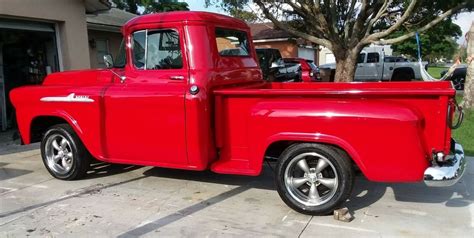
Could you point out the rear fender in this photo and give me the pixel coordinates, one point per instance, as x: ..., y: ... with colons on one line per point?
x: 317, y: 138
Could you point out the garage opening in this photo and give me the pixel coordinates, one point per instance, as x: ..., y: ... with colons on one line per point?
x: 28, y: 52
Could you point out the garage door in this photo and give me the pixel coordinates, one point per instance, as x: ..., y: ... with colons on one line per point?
x: 28, y: 52
x: 306, y: 53
x: 330, y: 58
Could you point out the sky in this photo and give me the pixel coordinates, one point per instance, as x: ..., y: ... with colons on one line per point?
x: 464, y: 20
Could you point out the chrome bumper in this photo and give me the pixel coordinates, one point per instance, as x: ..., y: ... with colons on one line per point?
x: 449, y: 172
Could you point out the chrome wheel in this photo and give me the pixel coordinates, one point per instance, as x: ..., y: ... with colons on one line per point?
x: 311, y: 179
x: 458, y: 83
x: 59, y: 155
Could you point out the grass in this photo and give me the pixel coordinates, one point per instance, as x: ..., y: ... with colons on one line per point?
x: 465, y: 133
x: 435, y: 71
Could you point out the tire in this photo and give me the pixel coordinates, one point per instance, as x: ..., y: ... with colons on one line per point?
x: 64, y: 154
x: 332, y: 76
x: 336, y: 172
x: 458, y: 83
x: 403, y: 76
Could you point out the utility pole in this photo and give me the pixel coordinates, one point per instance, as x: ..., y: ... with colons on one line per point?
x: 468, y: 99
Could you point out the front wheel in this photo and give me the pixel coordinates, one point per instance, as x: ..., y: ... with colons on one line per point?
x: 314, y: 179
x: 64, y: 154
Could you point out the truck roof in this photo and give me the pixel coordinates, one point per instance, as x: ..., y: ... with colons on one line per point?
x: 187, y: 16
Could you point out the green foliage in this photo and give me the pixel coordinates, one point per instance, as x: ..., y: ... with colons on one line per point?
x: 435, y: 72
x: 465, y: 134
x: 127, y: 5
x: 235, y: 8
x: 438, y: 42
x: 151, y: 6
x: 247, y: 16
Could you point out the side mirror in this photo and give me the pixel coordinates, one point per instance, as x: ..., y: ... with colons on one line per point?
x: 109, y: 61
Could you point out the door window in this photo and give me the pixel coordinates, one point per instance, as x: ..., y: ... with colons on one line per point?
x: 154, y: 50
x: 373, y: 57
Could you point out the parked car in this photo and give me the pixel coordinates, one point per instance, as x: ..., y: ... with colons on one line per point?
x: 458, y: 78
x: 172, y: 100
x: 309, y: 72
x: 374, y: 66
x: 274, y: 68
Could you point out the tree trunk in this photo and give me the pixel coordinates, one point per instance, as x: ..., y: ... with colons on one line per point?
x: 468, y: 99
x: 346, y: 65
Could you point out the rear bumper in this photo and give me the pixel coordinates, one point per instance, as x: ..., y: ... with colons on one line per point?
x: 449, y: 172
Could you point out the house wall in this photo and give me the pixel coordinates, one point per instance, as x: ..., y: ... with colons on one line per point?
x: 113, y: 39
x: 287, y: 49
x: 326, y: 56
x: 71, y: 21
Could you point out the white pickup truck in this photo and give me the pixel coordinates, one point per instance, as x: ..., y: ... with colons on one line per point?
x: 373, y: 66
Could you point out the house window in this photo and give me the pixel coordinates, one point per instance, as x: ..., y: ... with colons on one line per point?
x: 102, y: 47
x: 232, y: 42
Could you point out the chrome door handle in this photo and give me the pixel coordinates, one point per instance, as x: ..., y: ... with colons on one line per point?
x: 177, y: 77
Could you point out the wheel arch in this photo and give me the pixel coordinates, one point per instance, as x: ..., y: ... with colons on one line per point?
x: 402, y: 70
x: 41, y: 123
x: 278, y: 143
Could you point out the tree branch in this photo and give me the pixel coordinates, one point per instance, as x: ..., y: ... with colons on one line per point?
x: 403, y: 18
x: 291, y: 30
x: 380, y: 13
x: 424, y: 28
x: 348, y: 18
x: 361, y: 17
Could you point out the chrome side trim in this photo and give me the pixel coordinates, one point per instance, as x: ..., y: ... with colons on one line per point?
x: 449, y: 172
x: 69, y: 98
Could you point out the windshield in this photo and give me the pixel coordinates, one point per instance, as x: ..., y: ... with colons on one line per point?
x: 120, y: 61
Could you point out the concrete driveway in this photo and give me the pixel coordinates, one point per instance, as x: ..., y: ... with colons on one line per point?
x: 128, y: 201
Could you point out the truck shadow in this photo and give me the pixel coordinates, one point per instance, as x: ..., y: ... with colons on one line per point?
x: 364, y: 194
x: 102, y: 169
x: 263, y: 181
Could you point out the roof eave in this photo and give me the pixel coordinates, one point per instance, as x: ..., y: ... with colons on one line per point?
x: 102, y: 27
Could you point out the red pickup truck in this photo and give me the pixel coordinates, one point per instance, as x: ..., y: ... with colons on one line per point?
x: 186, y: 92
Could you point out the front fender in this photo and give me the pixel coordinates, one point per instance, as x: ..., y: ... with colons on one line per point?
x: 83, y: 116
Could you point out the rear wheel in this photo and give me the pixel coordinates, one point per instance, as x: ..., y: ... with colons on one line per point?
x: 314, y: 179
x: 63, y: 153
x: 403, y: 75
x: 458, y: 83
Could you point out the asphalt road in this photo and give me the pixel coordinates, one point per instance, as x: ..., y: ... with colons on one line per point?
x: 128, y: 201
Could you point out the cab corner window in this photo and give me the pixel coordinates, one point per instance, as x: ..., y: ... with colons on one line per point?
x: 361, y: 58
x: 232, y: 42
x: 155, y: 50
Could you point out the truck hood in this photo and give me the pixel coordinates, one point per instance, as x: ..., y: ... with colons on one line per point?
x: 78, y: 77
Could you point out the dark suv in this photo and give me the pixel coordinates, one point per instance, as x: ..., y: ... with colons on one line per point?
x: 275, y: 69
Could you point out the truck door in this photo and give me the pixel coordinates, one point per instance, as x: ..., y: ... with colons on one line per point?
x: 373, y: 67
x: 144, y: 114
x: 360, y: 72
